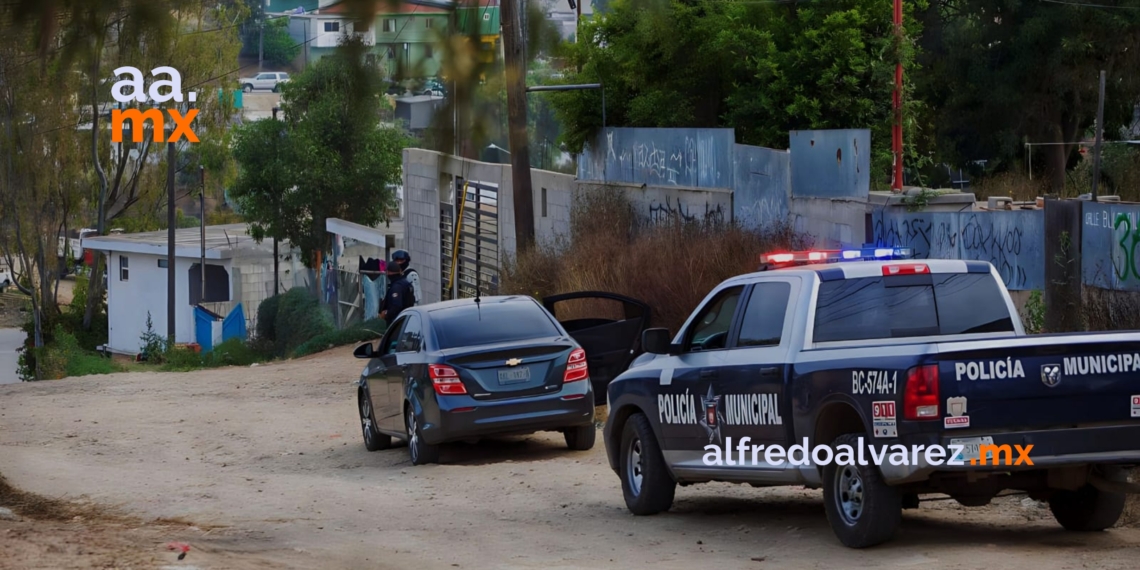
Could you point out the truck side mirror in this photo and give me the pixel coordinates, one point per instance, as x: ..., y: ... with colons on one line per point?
x: 363, y: 351
x: 655, y: 341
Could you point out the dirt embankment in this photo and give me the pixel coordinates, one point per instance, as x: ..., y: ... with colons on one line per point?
x: 263, y: 467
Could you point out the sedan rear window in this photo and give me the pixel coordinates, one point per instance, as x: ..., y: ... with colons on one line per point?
x: 491, y: 323
x: 910, y: 306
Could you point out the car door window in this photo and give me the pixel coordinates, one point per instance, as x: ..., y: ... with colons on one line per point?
x: 392, y: 339
x: 710, y: 329
x: 763, y: 323
x: 265, y: 76
x: 411, y: 336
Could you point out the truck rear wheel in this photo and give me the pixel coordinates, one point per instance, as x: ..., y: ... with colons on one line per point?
x: 1087, y: 509
x: 862, y: 509
x: 645, y: 480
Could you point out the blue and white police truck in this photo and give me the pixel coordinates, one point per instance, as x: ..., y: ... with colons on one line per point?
x: 869, y: 348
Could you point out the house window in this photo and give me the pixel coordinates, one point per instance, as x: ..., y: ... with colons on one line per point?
x: 427, y: 51
x: 124, y: 268
x: 428, y: 23
x: 162, y: 264
x: 389, y: 24
x: 486, y: 17
x: 217, y: 284
x: 391, y: 52
x: 332, y: 26
x: 544, y: 202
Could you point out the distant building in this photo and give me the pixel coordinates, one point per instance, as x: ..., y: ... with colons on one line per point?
x: 238, y: 270
x: 404, y: 34
x: 565, y: 18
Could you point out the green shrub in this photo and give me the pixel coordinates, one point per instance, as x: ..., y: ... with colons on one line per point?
x: 363, y: 332
x: 300, y: 317
x: 233, y: 352
x: 267, y: 319
x: 64, y: 357
x: 181, y: 359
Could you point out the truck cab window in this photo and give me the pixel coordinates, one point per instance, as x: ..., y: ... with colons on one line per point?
x: 763, y: 323
x: 710, y: 329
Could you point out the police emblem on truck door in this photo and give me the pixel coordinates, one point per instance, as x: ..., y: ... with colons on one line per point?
x: 713, y: 418
x: 1051, y: 374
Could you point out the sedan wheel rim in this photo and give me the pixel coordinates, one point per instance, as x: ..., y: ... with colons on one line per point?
x: 413, y: 439
x: 849, y: 494
x: 366, y: 418
x: 634, y: 468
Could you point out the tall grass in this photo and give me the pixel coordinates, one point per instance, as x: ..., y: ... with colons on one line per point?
x: 670, y: 266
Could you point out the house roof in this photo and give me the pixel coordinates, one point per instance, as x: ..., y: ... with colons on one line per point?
x: 222, y: 242
x: 385, y: 7
x: 373, y: 236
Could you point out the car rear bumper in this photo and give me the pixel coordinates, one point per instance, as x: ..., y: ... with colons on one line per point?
x: 463, y: 417
x: 1118, y: 444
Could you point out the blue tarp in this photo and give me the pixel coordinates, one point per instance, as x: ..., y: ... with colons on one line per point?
x: 204, y: 329
x: 234, y: 324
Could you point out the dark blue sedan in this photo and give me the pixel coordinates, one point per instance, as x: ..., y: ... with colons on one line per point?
x: 467, y: 369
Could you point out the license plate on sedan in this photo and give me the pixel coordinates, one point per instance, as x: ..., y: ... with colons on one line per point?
x: 971, y: 448
x: 514, y: 375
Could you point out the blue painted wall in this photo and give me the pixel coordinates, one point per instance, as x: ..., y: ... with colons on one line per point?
x: 831, y: 163
x: 698, y: 158
x: 1012, y: 241
x: 760, y: 188
x: 1110, y: 237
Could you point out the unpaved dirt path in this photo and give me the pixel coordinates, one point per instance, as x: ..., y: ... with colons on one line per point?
x: 268, y: 465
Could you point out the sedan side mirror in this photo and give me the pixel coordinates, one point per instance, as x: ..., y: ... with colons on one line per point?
x: 655, y: 341
x: 363, y: 351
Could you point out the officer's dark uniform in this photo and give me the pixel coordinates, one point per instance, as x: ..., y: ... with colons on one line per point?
x: 399, y: 297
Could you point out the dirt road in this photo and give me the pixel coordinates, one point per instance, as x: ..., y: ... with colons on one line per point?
x: 264, y: 468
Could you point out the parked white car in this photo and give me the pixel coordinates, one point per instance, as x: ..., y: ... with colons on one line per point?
x: 5, y: 278
x: 268, y: 80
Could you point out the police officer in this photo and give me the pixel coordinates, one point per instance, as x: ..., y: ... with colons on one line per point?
x: 402, y: 258
x: 399, y: 297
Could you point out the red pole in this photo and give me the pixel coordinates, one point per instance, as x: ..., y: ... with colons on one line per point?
x: 896, y: 131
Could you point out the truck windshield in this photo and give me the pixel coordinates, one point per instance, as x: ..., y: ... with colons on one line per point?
x: 910, y: 305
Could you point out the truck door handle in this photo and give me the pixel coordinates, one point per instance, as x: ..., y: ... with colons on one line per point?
x: 708, y: 373
x: 769, y: 371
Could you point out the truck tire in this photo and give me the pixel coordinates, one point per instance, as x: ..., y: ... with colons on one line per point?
x: 862, y: 509
x: 645, y: 480
x: 1087, y: 509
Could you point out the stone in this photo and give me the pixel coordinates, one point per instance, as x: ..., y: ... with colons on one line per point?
x: 7, y: 515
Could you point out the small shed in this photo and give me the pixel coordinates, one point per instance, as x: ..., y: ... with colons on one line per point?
x: 239, y: 275
x: 417, y: 111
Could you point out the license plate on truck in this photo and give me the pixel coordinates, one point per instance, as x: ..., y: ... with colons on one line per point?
x: 971, y: 448
x: 514, y: 376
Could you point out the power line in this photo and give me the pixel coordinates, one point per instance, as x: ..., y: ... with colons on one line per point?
x: 1086, y: 5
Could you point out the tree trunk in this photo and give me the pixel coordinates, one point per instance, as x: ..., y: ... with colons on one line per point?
x: 95, y: 284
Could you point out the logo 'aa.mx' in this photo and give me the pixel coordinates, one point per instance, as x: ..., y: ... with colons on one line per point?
x: 139, y: 94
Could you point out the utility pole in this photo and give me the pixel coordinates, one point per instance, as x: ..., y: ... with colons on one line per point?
x: 170, y: 227
x: 276, y: 254
x: 896, y: 130
x: 260, y: 36
x: 1099, y: 136
x: 514, y: 48
x: 202, y: 213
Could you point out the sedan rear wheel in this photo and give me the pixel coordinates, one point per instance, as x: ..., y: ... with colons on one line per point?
x: 581, y: 438
x: 420, y: 451
x: 247, y: 88
x: 373, y: 439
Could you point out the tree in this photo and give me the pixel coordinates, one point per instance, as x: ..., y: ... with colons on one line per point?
x: 1006, y: 71
x: 334, y: 160
x: 761, y: 68
x: 279, y: 47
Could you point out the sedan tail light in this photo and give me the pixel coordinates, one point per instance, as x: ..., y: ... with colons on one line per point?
x: 576, y: 367
x: 445, y: 380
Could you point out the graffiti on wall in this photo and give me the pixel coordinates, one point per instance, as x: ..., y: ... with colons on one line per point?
x: 1110, y: 246
x: 697, y: 158
x: 673, y: 209
x: 761, y: 186
x: 1009, y: 240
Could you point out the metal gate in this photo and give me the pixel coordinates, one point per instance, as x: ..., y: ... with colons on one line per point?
x: 472, y: 263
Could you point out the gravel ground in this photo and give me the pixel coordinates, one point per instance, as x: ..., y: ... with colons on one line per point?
x: 264, y: 467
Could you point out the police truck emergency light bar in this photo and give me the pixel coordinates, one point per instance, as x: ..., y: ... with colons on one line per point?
x: 824, y: 256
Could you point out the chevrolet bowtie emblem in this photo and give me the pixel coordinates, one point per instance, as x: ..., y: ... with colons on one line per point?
x: 514, y: 362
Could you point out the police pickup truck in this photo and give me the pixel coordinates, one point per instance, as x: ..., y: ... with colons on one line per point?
x: 866, y: 348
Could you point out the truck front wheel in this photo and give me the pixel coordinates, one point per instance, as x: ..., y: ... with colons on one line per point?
x: 645, y: 480
x: 862, y: 509
x: 1087, y: 509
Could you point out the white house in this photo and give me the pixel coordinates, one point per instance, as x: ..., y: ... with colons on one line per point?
x: 238, y: 270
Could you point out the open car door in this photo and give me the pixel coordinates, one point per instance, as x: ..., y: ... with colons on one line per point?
x: 607, y: 325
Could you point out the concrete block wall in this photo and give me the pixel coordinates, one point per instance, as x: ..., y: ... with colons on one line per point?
x: 421, y: 219
x: 831, y: 222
